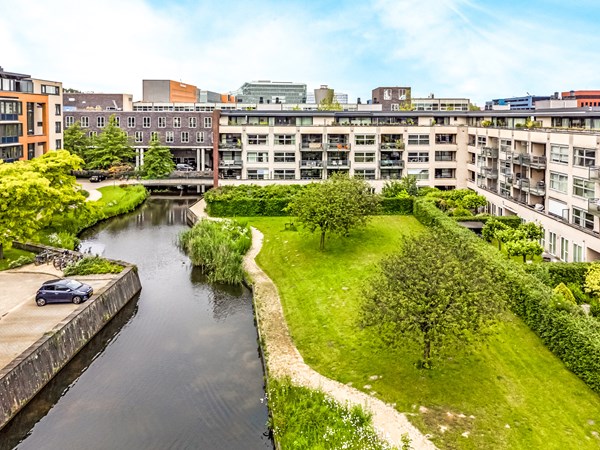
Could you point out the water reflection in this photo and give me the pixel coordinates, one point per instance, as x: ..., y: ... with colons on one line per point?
x: 226, y: 299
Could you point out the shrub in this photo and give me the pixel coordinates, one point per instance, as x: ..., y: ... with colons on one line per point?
x: 218, y: 248
x: 64, y: 239
x: 92, y: 265
x: 20, y: 261
x: 580, y: 296
x: 402, y: 204
x: 565, y: 293
x: 595, y: 307
x: 460, y: 212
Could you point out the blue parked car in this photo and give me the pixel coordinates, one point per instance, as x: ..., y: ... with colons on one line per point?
x: 63, y: 291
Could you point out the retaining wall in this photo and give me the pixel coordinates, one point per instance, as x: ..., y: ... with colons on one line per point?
x: 22, y: 379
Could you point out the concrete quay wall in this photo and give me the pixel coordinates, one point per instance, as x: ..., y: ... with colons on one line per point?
x: 22, y: 379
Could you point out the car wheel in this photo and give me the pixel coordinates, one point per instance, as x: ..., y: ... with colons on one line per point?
x: 76, y: 300
x: 40, y: 301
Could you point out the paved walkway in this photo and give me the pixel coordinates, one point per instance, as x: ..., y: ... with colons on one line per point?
x: 22, y: 322
x: 284, y: 359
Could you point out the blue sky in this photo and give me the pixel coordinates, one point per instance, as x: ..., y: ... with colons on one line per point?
x: 464, y: 48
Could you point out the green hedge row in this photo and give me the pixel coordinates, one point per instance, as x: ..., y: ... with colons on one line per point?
x: 247, y: 207
x: 570, y: 335
x: 396, y: 205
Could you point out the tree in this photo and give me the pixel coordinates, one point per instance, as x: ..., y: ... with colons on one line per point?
x: 523, y: 247
x: 532, y: 231
x: 158, y: 160
x: 406, y: 184
x: 336, y: 205
x: 472, y: 202
x: 76, y: 141
x: 32, y: 192
x: 592, y: 280
x: 434, y: 291
x: 111, y: 147
x: 490, y: 230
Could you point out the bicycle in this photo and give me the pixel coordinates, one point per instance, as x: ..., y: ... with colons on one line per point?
x: 43, y: 257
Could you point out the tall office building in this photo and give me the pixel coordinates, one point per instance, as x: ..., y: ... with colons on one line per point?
x: 271, y: 92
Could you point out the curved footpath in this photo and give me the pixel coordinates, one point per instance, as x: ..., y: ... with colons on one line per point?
x: 283, y: 358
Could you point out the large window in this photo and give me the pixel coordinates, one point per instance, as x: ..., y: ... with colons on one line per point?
x: 57, y: 127
x: 162, y: 122
x: 84, y: 121
x: 285, y: 157
x: 285, y: 139
x: 558, y: 182
x: 559, y: 154
x: 577, y: 253
x: 284, y: 174
x: 481, y: 141
x: 208, y: 122
x: 583, y: 188
x: 419, y: 174
x: 584, y: 157
x: 552, y: 243
x: 185, y: 137
x: 146, y: 122
x: 583, y: 218
x: 364, y: 139
x: 254, y: 157
x: 445, y: 156
x: 57, y: 110
x: 257, y: 139
x: 418, y: 139
x: 192, y: 122
x: 117, y: 120
x: 170, y: 137
x: 364, y: 157
x: 131, y: 122
x: 564, y: 249
x: 101, y: 121
x: 418, y: 157
x: 176, y: 122
x: 366, y: 174
x: 51, y: 90
x: 258, y: 174
x: 139, y: 136
x: 69, y: 120
x: 199, y: 137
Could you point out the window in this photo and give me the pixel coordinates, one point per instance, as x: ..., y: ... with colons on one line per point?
x: 505, y: 145
x: 367, y: 174
x: 57, y: 127
x: 387, y: 94
x: 257, y: 139
x: 101, y: 121
x: 155, y: 136
x: 117, y: 121
x: 584, y: 157
x: 69, y: 120
x: 185, y: 137
x: 51, y: 90
x: 284, y: 174
x: 285, y: 139
x: 176, y: 122
x: 445, y: 156
x: 364, y: 139
x: 131, y: 122
x: 481, y: 141
x: 583, y: 188
x: 364, y: 157
x: 564, y: 249
x: 418, y: 139
x: 170, y: 137
x: 577, y: 253
x: 284, y: 157
x: 139, y: 136
x: 559, y: 154
x: 58, y: 144
x: 395, y: 107
x: 162, y: 122
x: 419, y: 174
x: 254, y: 157
x: 444, y: 173
x: 192, y: 122
x: 85, y: 121
x: 258, y: 174
x: 93, y: 134
x: 57, y: 110
x: 583, y: 218
x: 558, y: 182
x: 552, y: 243
x: 146, y: 122
x: 199, y: 137
x: 418, y: 157
x: 445, y: 139
x: 208, y: 122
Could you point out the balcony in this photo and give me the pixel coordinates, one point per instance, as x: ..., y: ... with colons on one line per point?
x: 311, y: 146
x: 337, y: 146
x: 488, y: 172
x: 489, y: 152
x: 392, y: 145
x: 311, y: 164
x: 594, y: 206
x: 338, y: 163
x: 230, y: 146
x: 391, y: 163
x: 594, y: 173
x: 535, y: 162
x: 230, y: 164
x: 534, y: 188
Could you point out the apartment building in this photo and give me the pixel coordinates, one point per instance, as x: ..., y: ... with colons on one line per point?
x: 30, y: 116
x: 548, y: 174
x: 265, y: 91
x: 169, y: 91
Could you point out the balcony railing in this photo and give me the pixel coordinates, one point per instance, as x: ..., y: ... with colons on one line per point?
x: 392, y: 146
x: 231, y: 163
x: 337, y: 146
x: 311, y: 146
x: 533, y: 187
x: 230, y: 145
x: 535, y: 162
x: 489, y: 152
x: 488, y: 172
x: 391, y: 163
x: 594, y: 173
x: 338, y: 163
x: 311, y: 164
x: 594, y: 206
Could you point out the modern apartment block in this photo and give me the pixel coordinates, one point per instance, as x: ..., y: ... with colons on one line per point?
x: 517, y: 103
x: 260, y: 92
x: 549, y: 174
x: 584, y: 98
x: 169, y: 91
x: 30, y: 116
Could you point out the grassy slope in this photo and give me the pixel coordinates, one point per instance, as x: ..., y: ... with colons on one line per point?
x: 513, y: 380
x: 12, y: 254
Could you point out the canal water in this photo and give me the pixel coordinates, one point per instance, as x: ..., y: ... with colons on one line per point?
x: 178, y: 368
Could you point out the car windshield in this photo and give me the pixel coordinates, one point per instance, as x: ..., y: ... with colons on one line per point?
x: 72, y: 284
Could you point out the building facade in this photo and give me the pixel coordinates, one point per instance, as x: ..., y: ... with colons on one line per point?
x: 391, y: 98
x: 583, y: 98
x: 516, y: 103
x: 169, y: 91
x: 260, y: 92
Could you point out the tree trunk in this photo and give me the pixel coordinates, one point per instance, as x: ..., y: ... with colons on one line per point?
x: 426, y: 352
x: 524, y: 259
x: 1, y: 251
x: 322, y: 243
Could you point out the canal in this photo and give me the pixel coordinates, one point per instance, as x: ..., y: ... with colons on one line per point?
x: 178, y: 368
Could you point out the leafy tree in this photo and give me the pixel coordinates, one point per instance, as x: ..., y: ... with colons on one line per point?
x: 532, y: 230
x: 76, y: 140
x: 112, y: 147
x: 336, y: 205
x: 523, y: 247
x: 433, y: 291
x: 592, y: 280
x: 158, y: 160
x: 407, y: 184
x: 472, y: 202
x: 490, y: 230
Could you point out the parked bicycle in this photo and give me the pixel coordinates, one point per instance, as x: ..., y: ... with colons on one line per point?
x: 44, y: 257
x: 65, y: 259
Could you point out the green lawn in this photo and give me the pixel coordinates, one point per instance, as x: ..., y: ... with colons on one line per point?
x: 12, y: 254
x: 510, y: 393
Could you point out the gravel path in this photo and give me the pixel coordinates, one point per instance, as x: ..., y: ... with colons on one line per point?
x: 283, y: 359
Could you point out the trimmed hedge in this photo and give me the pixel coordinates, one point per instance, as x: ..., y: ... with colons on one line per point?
x: 396, y: 205
x: 571, y: 335
x: 250, y: 200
